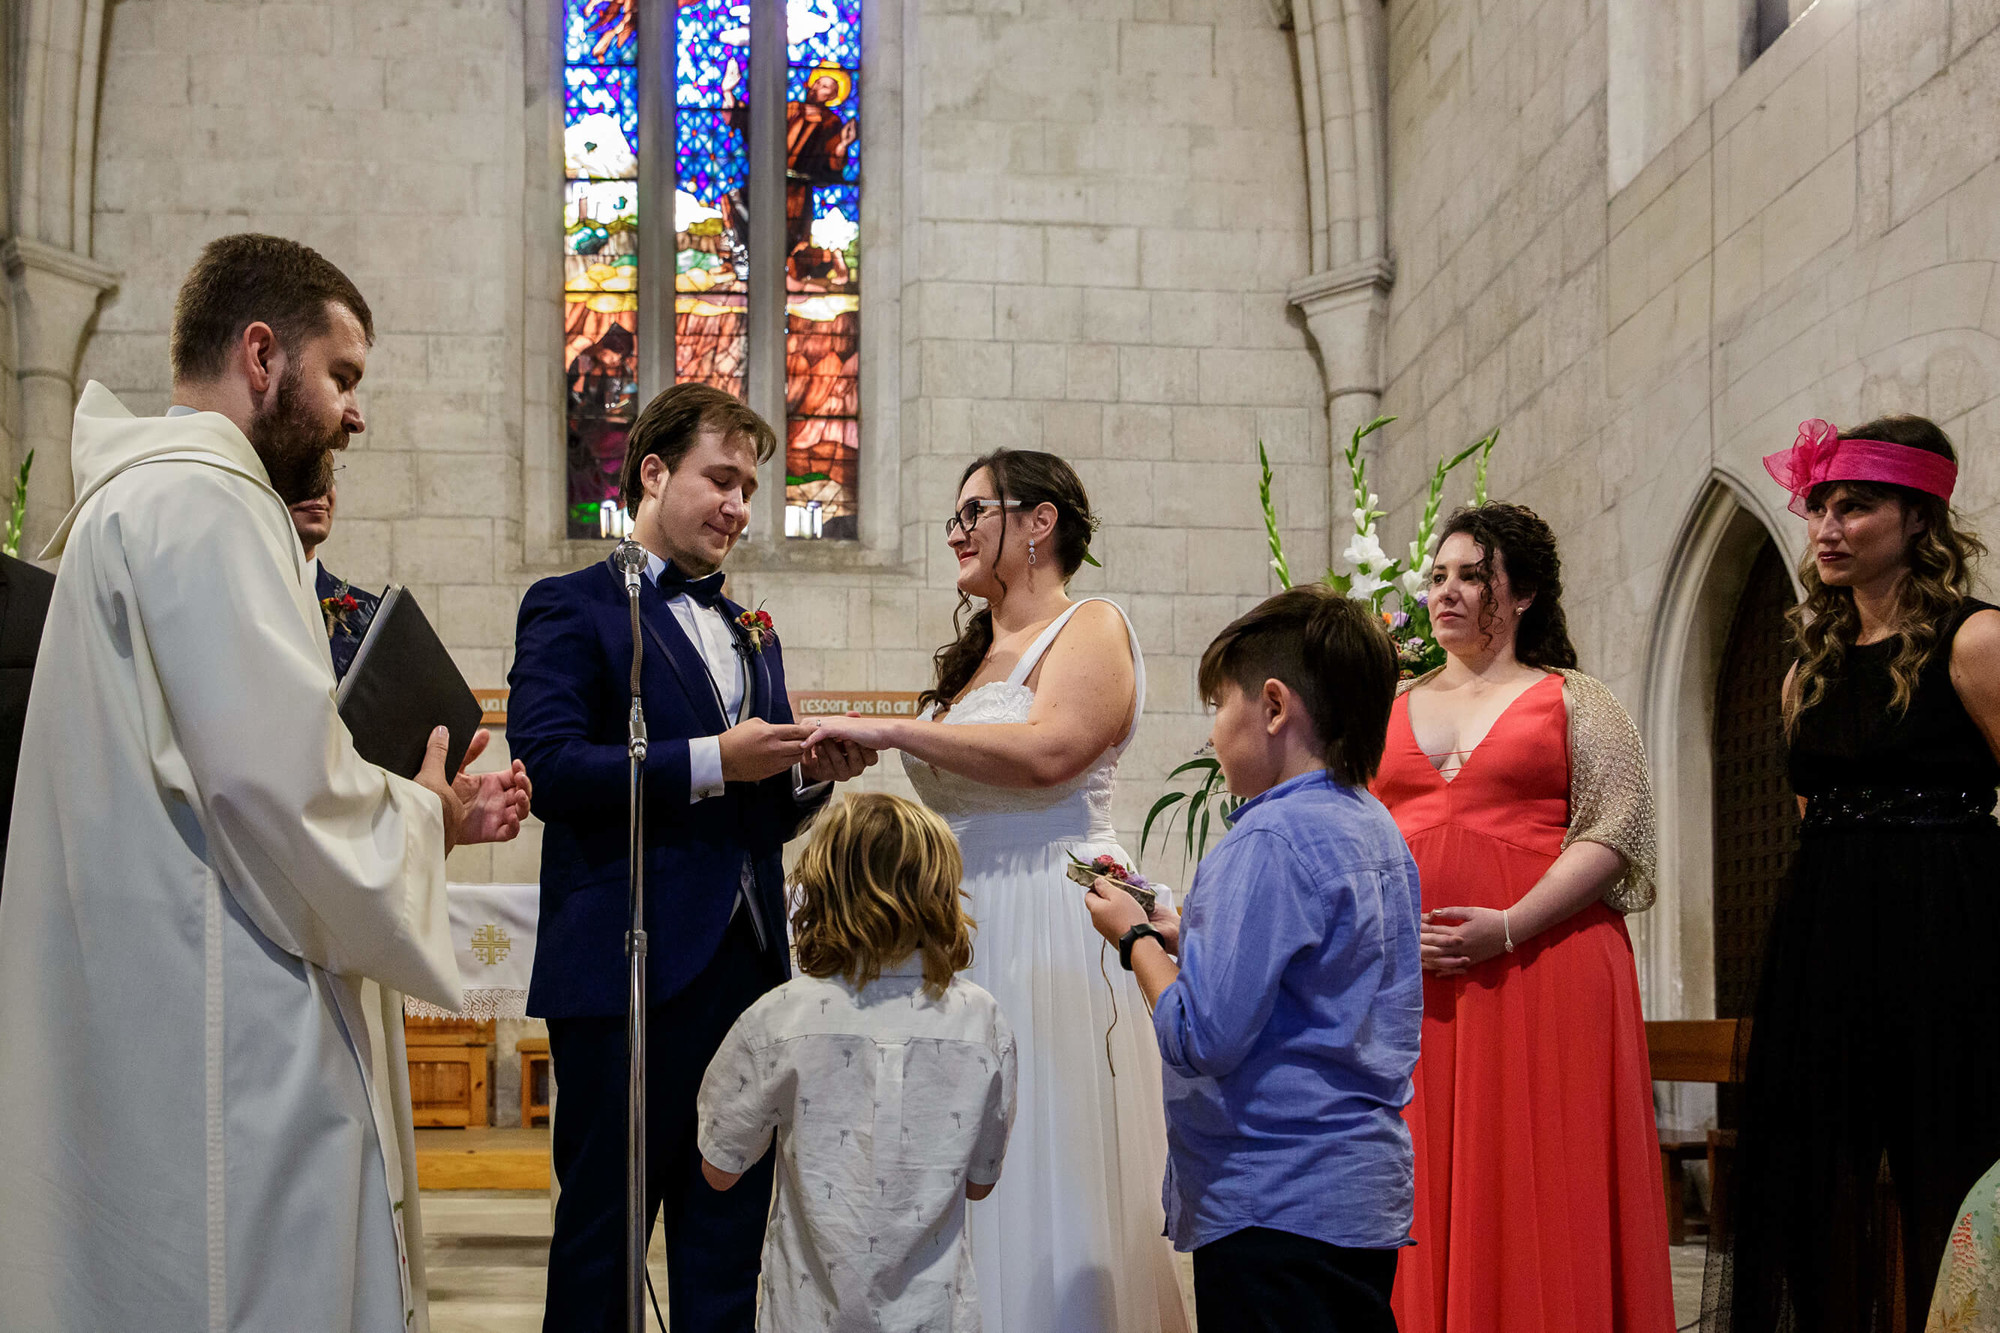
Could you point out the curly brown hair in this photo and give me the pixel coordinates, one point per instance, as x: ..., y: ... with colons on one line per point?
x: 1941, y: 555
x: 881, y: 881
x: 1525, y: 548
x: 1035, y: 479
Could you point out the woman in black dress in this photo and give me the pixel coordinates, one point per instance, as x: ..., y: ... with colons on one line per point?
x: 1871, y: 1094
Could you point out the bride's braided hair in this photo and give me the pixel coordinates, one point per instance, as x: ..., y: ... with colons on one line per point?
x: 1033, y: 478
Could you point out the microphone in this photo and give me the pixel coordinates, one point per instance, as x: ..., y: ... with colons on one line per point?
x: 630, y: 557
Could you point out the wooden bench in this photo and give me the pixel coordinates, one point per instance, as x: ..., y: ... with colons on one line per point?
x: 448, y: 1060
x: 1693, y: 1051
x: 534, y: 1052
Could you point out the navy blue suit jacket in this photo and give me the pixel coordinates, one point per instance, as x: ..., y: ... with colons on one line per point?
x: 566, y: 721
x: 344, y: 638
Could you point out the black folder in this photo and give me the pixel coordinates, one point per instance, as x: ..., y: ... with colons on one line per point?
x: 402, y: 685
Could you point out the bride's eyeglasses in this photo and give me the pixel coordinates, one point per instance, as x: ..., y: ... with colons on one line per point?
x: 968, y: 515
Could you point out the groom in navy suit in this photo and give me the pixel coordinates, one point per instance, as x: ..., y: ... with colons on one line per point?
x: 728, y: 782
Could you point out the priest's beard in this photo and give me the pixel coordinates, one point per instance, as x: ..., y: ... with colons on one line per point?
x: 296, y: 450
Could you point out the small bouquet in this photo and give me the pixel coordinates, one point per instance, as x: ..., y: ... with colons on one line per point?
x: 756, y: 629
x: 338, y: 611
x: 1087, y: 873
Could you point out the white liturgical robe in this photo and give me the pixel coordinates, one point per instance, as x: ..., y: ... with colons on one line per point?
x: 209, y: 903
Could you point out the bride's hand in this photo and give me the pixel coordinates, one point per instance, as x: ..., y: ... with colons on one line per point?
x: 870, y: 733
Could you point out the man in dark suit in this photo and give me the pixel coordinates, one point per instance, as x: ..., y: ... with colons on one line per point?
x: 347, y: 609
x: 728, y: 782
x: 24, y: 604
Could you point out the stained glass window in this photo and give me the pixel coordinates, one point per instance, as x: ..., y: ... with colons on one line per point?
x: 711, y: 203
x: 600, y: 254
x: 822, y: 267
x: 715, y: 262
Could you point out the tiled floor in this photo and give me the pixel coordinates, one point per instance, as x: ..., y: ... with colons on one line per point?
x: 486, y: 1250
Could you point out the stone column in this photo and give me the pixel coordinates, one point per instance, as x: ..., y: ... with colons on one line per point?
x: 56, y: 293
x: 1346, y: 310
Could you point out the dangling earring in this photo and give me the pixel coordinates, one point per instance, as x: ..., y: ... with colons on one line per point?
x: 1031, y: 552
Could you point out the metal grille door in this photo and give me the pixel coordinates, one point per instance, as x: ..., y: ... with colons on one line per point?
x: 1756, y: 817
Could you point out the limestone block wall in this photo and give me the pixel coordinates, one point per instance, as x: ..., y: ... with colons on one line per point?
x: 387, y: 136
x: 1108, y: 205
x: 1819, y: 241
x: 1098, y: 208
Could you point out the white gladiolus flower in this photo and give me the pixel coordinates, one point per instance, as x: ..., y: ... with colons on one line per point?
x: 1363, y: 586
x: 1413, y: 584
x: 1364, y: 551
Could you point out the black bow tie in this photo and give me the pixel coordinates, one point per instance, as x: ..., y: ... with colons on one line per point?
x: 672, y: 583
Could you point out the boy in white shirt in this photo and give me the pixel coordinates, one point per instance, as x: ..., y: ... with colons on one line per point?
x: 888, y: 1078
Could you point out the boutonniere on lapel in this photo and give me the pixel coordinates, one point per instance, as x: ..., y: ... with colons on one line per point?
x: 342, y: 612
x: 756, y: 628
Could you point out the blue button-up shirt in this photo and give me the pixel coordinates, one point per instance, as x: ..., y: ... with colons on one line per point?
x: 1290, y: 1036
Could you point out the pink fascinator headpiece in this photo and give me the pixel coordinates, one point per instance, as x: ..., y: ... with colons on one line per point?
x: 1819, y: 455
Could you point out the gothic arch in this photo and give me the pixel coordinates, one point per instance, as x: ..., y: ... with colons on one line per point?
x: 1719, y: 537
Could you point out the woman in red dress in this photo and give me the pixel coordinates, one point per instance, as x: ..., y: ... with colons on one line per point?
x: 1520, y: 786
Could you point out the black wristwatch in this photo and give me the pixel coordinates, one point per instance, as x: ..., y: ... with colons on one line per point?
x: 1132, y: 937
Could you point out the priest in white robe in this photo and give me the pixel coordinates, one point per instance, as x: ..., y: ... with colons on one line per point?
x: 210, y: 899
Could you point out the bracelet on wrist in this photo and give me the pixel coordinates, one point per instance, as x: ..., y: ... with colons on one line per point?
x: 1132, y: 937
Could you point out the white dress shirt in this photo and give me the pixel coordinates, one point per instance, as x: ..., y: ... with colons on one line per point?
x: 708, y: 630
x: 885, y: 1103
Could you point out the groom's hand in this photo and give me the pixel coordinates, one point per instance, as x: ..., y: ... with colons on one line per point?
x: 836, y: 761
x: 754, y: 749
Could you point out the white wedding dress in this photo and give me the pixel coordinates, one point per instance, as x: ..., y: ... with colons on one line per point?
x: 1071, y: 1240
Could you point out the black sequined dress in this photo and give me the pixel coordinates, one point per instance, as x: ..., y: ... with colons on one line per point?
x: 1871, y: 1095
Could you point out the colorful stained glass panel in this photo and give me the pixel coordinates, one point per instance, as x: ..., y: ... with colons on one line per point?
x: 711, y: 205
x: 600, y: 32
x: 711, y: 52
x: 822, y: 268
x: 600, y: 255
x: 823, y: 32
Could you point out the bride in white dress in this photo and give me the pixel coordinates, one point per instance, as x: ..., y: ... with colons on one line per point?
x: 1018, y: 750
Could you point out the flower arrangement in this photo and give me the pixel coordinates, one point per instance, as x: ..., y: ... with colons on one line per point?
x: 1087, y: 873
x: 1372, y: 576
x: 757, y: 629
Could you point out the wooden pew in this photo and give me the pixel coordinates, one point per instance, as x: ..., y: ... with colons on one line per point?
x: 1693, y: 1051
x: 448, y: 1062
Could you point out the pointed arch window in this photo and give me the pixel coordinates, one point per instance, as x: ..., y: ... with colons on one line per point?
x: 711, y: 232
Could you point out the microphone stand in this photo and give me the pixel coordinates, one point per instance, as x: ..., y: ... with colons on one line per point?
x: 630, y: 558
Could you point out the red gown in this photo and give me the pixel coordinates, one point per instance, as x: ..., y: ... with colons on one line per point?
x: 1539, y: 1208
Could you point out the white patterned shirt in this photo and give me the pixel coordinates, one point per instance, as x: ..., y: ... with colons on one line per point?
x: 885, y: 1103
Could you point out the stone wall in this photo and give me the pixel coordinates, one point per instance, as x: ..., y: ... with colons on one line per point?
x: 1100, y: 206
x: 1819, y: 241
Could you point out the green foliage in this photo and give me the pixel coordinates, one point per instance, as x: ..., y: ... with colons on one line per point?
x: 1209, y: 798
x: 1277, y: 542
x: 18, y: 514
x: 1417, y: 650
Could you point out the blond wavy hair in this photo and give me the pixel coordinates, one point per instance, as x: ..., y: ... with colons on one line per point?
x: 1937, y: 579
x: 880, y: 881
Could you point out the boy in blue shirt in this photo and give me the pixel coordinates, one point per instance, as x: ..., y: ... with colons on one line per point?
x: 1288, y: 1026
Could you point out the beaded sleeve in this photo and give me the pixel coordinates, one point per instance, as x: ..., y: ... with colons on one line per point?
x: 1610, y: 793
